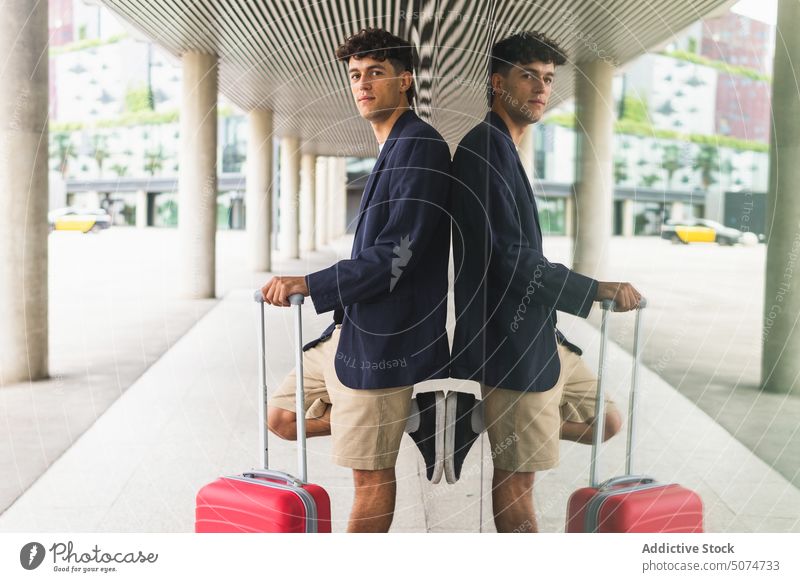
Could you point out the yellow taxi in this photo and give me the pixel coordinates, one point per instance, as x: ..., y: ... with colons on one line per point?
x: 698, y: 230
x: 81, y: 220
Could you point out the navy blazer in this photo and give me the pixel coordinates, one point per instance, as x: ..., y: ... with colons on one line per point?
x: 506, y: 291
x: 391, y: 295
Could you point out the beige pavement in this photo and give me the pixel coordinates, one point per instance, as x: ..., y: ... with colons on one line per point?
x: 192, y: 417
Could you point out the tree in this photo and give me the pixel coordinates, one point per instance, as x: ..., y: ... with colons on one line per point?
x: 649, y: 180
x: 232, y: 158
x: 635, y: 109
x: 707, y: 163
x: 666, y: 108
x: 139, y: 99
x: 726, y: 167
x: 63, y: 152
x: 154, y: 160
x: 671, y: 162
x: 119, y: 170
x: 101, y: 153
x: 695, y: 81
x: 620, y: 170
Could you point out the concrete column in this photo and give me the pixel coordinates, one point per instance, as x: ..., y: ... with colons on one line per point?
x: 341, y: 185
x: 308, y: 194
x: 197, y: 178
x: 23, y: 192
x: 569, y: 215
x: 321, y: 198
x: 141, y: 209
x: 290, y: 193
x: 676, y: 211
x: 332, y: 201
x: 337, y: 176
x: 91, y: 200
x: 525, y: 150
x: 780, y: 370
x: 258, y: 218
x: 628, y: 219
x: 594, y: 172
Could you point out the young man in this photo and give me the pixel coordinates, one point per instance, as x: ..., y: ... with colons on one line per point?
x: 535, y: 387
x: 389, y: 299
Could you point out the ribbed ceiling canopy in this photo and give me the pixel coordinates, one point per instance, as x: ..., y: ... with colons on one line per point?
x: 278, y: 54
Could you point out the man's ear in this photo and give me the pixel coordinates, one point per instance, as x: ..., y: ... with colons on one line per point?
x: 497, y: 83
x: 406, y: 80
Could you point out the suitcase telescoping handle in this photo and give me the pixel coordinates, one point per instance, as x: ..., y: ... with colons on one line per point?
x: 600, y: 412
x: 302, y: 465
x: 625, y: 480
x: 274, y: 475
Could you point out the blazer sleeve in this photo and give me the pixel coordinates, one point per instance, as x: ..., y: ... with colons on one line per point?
x: 417, y: 199
x: 522, y: 269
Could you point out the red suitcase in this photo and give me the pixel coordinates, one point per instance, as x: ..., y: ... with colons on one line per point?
x: 630, y: 503
x: 264, y: 501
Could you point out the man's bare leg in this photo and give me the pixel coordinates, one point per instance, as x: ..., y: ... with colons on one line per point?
x: 581, y: 432
x: 375, y: 491
x: 373, y: 506
x: 512, y: 502
x: 284, y: 424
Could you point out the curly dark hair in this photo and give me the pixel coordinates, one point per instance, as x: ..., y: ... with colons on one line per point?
x: 380, y: 45
x: 521, y: 48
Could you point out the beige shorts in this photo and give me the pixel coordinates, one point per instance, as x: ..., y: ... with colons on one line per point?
x: 366, y: 425
x: 524, y: 427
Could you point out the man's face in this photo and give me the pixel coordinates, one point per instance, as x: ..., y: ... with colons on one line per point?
x: 377, y: 87
x: 525, y: 90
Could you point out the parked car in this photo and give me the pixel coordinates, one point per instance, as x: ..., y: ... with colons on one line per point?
x: 702, y: 230
x: 79, y: 219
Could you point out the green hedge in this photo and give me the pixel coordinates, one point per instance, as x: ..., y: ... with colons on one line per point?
x: 637, y: 128
x: 719, y: 65
x: 132, y: 118
x: 85, y: 44
x: 140, y: 118
x: 125, y: 120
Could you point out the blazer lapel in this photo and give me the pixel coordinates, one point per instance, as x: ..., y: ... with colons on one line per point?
x: 369, y: 188
x: 496, y: 121
x: 528, y: 188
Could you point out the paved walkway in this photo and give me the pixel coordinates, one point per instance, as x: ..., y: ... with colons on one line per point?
x: 704, y: 336
x: 112, y: 314
x: 192, y: 417
x: 153, y: 396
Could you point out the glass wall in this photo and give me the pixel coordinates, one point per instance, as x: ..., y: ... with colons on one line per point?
x: 552, y: 213
x: 121, y: 206
x: 165, y: 209
x: 230, y: 210
x: 647, y: 218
